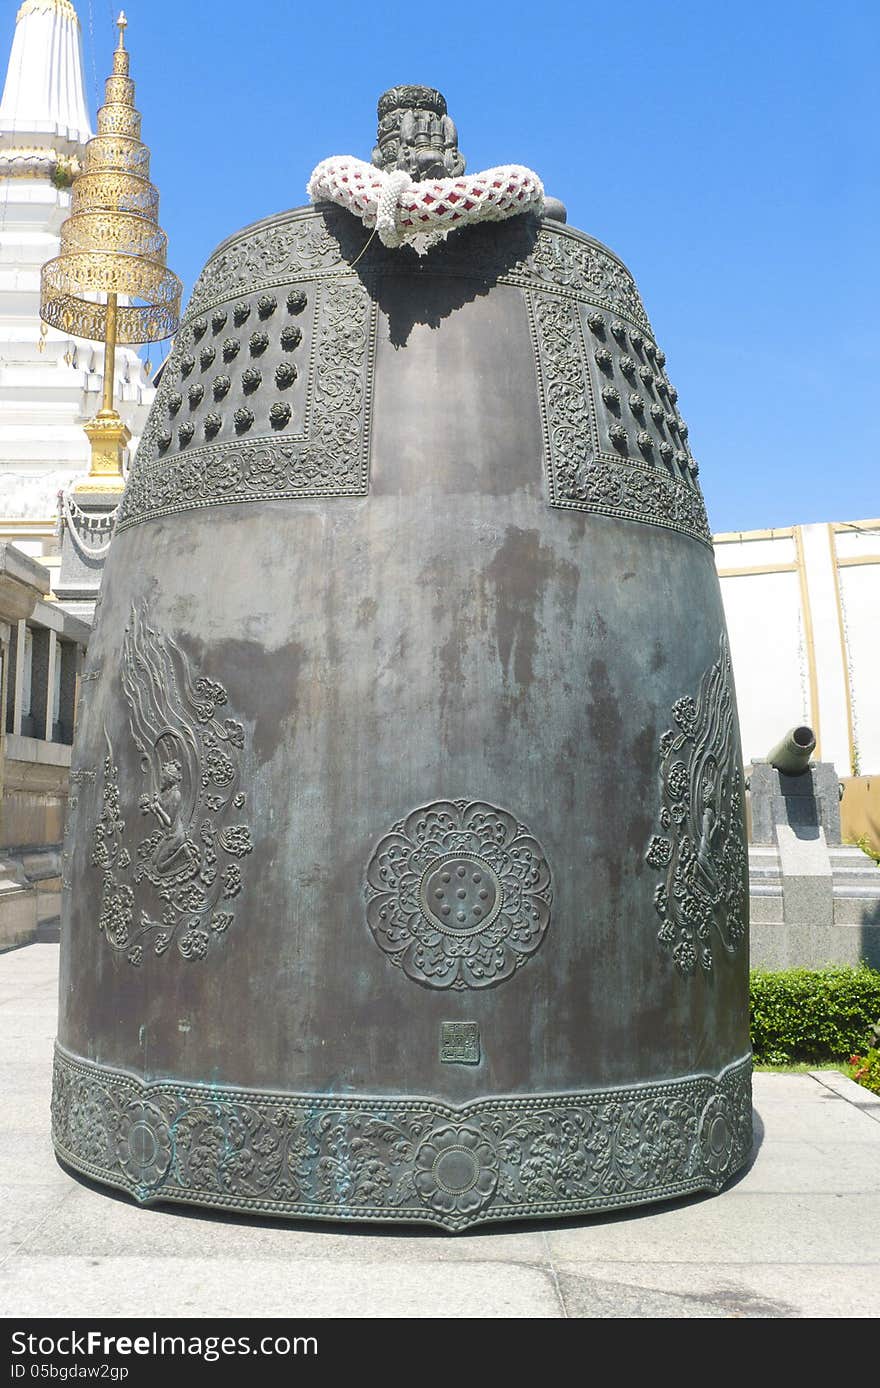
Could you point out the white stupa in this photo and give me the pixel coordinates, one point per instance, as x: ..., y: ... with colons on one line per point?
x: 49, y: 385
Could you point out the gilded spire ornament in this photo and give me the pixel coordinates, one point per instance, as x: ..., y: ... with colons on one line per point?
x: 110, y: 281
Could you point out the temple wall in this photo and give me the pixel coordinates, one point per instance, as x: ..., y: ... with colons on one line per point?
x: 40, y: 656
x: 860, y: 810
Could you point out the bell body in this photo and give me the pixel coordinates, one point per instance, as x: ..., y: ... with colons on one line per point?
x: 406, y: 865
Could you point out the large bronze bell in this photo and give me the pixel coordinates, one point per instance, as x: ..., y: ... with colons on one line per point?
x: 406, y: 868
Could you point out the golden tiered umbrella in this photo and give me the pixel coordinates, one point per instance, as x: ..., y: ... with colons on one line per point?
x: 112, y: 248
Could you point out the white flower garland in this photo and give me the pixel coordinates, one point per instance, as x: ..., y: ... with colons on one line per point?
x: 92, y: 535
x: 420, y: 214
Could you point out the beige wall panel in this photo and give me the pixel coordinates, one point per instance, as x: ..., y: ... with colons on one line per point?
x: 860, y: 810
x: 860, y: 602
x: 745, y: 553
x: 769, y: 657
x: 31, y: 819
x: 861, y: 540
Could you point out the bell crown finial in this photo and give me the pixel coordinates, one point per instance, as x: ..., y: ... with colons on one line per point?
x: 417, y: 134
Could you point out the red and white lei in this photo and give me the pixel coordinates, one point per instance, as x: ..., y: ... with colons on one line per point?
x: 419, y: 214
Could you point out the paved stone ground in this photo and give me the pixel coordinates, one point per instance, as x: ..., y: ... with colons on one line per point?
x: 797, y: 1235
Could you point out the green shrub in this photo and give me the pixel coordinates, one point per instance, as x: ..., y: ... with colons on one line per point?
x: 817, y: 1015
x: 864, y: 843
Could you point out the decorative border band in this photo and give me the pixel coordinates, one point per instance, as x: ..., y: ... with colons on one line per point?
x: 614, y: 442
x: 324, y: 1156
x: 315, y: 243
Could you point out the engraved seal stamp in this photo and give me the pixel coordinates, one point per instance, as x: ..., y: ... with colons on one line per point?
x: 459, y: 1043
x: 458, y: 894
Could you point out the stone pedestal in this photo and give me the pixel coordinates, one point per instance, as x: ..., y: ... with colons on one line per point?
x: 807, y: 801
x: 89, y: 521
x: 813, y: 900
x: 807, y: 878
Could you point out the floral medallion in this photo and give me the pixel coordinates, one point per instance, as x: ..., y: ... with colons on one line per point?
x: 143, y: 1144
x: 456, y: 1171
x: 458, y: 894
x: 716, y: 1134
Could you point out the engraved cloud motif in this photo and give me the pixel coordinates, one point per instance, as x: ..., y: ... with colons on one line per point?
x: 701, y: 849
x: 190, y: 756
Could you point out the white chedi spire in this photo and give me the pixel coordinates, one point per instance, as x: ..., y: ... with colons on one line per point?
x: 44, y: 103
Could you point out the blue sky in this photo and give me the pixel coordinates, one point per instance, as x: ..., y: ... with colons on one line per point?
x: 728, y: 153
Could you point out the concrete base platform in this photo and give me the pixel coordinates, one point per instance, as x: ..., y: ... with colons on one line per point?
x: 796, y: 1235
x: 810, y: 918
x: 30, y: 896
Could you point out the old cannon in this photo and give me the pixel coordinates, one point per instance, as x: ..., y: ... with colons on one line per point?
x: 792, y: 753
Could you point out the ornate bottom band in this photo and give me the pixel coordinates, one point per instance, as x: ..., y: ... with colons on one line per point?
x: 323, y: 1156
